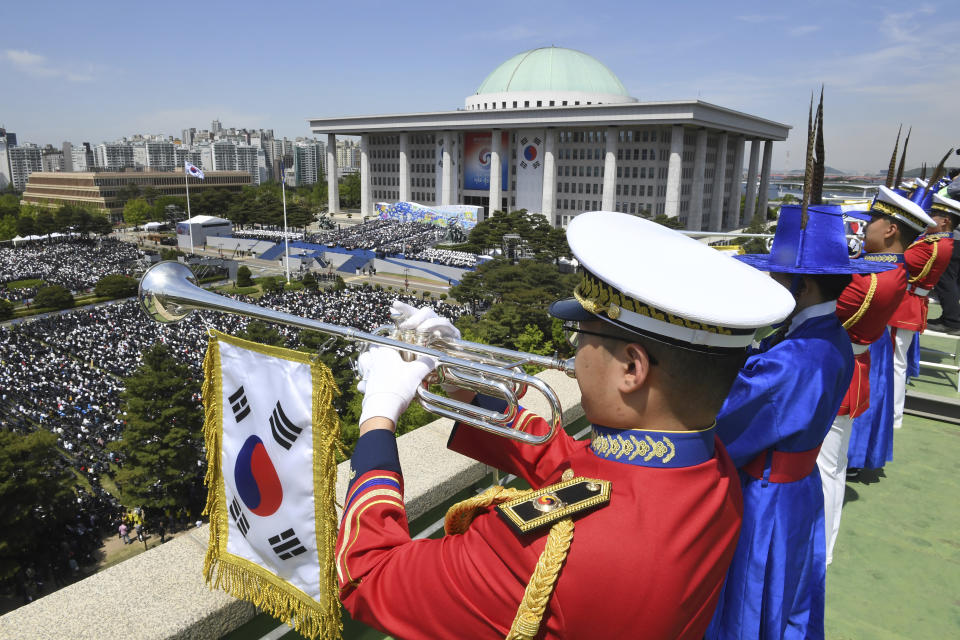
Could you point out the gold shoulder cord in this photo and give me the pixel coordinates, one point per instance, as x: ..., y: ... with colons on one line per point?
x: 855, y: 318
x: 526, y: 624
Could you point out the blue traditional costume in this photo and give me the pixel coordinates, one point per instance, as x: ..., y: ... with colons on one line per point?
x: 780, y: 408
x: 871, y: 440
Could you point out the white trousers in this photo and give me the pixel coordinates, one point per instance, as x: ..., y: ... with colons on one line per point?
x: 832, y: 462
x: 901, y: 344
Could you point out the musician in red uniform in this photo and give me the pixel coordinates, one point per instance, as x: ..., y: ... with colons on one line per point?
x: 865, y: 308
x: 946, y: 212
x: 926, y: 259
x: 630, y: 533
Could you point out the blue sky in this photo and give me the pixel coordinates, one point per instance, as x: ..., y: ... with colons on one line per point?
x: 96, y: 71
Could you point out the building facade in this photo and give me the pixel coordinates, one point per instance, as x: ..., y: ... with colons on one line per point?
x: 100, y: 191
x: 24, y: 161
x: 562, y: 134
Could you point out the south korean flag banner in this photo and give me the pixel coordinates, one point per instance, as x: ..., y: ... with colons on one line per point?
x: 271, y: 436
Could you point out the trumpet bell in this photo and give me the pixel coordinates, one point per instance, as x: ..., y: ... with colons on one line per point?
x: 158, y: 290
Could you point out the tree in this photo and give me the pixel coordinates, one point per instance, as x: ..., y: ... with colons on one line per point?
x: 26, y: 226
x: 137, y: 211
x: 338, y: 283
x: 310, y: 281
x: 53, y: 297
x: 755, y: 245
x: 271, y: 284
x: 116, y: 286
x: 263, y: 333
x: 129, y: 191
x: 100, y: 225
x: 350, y: 190
x: 8, y: 226
x: 671, y: 223
x: 6, y: 309
x: 9, y: 205
x: 243, y: 276
x: 162, y: 440
x: 45, y: 223
x: 36, y: 500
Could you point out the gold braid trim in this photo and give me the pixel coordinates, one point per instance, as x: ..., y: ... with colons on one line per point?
x: 460, y: 515
x: 855, y: 318
x: 928, y: 266
x: 526, y: 624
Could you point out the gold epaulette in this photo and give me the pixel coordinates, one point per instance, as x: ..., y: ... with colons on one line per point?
x: 555, y: 502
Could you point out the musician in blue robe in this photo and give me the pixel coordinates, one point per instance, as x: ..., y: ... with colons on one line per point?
x: 773, y: 422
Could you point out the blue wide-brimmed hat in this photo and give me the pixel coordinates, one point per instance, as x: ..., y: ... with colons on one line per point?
x: 820, y: 248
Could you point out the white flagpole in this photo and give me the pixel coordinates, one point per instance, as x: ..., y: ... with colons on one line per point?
x: 186, y: 181
x: 286, y: 237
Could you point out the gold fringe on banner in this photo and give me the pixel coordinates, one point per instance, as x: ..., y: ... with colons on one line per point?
x: 239, y: 577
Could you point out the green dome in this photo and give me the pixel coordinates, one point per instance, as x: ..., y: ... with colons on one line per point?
x: 553, y: 69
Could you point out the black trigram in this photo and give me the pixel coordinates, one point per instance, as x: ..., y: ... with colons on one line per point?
x: 239, y: 517
x: 286, y: 545
x: 523, y: 164
x: 238, y: 402
x: 523, y: 140
x: 284, y: 431
x: 536, y: 165
x: 536, y: 141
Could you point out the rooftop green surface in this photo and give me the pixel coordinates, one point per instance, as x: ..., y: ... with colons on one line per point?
x: 553, y: 69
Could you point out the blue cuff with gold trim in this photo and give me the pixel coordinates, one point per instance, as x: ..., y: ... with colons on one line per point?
x: 375, y: 449
x: 649, y: 448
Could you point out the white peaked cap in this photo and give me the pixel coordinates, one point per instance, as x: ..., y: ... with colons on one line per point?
x: 890, y: 203
x: 649, y: 279
x: 945, y: 205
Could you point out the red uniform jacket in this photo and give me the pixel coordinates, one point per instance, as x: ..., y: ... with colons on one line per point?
x: 865, y: 308
x: 649, y: 564
x: 926, y: 259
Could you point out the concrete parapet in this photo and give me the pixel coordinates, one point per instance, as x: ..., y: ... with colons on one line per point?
x: 160, y: 594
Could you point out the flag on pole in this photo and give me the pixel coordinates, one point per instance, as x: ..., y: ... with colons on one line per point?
x: 193, y: 170
x: 283, y: 173
x: 271, y: 434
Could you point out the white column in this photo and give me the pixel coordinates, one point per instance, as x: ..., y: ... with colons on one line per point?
x: 719, y: 180
x: 366, y: 206
x: 608, y: 199
x: 496, y: 187
x: 446, y: 184
x: 548, y: 200
x: 404, y: 167
x: 333, y: 190
x: 736, y: 175
x: 672, y: 201
x: 750, y: 205
x: 765, y: 177
x: 695, y: 219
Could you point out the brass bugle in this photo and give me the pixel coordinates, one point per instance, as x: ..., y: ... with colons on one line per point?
x: 169, y: 292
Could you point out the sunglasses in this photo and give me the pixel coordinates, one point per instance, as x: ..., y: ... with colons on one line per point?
x: 572, y: 332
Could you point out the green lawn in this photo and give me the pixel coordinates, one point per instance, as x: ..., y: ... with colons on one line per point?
x: 23, y: 284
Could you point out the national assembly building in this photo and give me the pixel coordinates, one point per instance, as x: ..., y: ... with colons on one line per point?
x: 562, y: 135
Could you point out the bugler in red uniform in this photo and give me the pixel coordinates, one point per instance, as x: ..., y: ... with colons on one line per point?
x: 649, y: 564
x: 865, y: 308
x: 926, y: 260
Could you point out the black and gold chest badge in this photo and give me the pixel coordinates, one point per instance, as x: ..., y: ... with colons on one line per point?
x: 549, y: 504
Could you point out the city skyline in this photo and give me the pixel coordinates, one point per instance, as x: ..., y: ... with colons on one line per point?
x: 881, y: 65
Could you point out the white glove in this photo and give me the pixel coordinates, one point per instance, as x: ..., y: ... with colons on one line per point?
x: 389, y: 383
x: 424, y: 320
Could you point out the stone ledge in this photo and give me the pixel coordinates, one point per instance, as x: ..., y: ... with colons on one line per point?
x: 160, y: 594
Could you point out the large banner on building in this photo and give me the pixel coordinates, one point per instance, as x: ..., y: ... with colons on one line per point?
x: 529, y: 161
x: 463, y: 215
x: 477, y: 147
